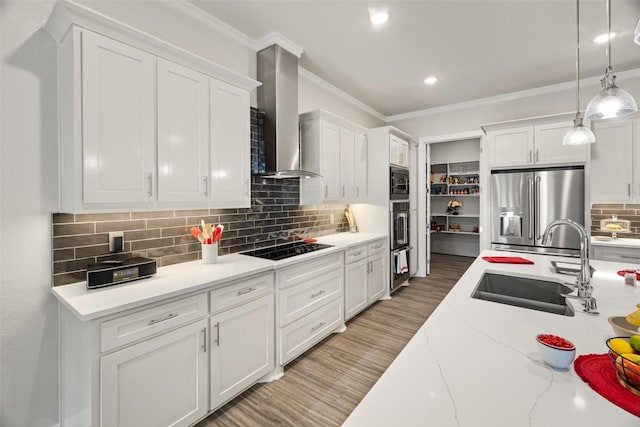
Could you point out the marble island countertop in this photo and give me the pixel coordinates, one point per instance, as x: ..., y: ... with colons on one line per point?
x: 185, y: 278
x: 475, y: 363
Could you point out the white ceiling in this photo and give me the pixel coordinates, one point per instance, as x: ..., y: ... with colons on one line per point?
x: 477, y: 48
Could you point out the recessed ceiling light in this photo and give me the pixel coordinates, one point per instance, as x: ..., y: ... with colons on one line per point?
x: 602, y: 38
x: 430, y: 80
x: 378, y: 16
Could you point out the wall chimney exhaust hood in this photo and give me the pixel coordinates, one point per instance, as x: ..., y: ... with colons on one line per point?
x: 277, y: 69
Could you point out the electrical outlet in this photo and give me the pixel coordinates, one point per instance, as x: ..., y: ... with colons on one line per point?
x: 113, y: 247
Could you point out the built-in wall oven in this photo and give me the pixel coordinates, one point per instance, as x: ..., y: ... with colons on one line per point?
x: 399, y: 185
x: 399, y: 235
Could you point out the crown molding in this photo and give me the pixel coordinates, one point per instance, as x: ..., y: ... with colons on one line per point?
x: 543, y: 90
x: 280, y: 40
x: 302, y: 72
x: 211, y: 21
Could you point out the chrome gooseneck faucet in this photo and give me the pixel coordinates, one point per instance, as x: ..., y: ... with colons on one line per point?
x: 584, y: 277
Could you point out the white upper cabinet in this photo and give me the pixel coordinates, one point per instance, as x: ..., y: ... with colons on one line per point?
x: 118, y: 122
x: 347, y: 165
x: 336, y: 149
x: 612, y: 162
x: 183, y: 134
x: 398, y: 151
x: 230, y: 146
x: 361, y: 168
x: 538, y: 145
x: 143, y: 123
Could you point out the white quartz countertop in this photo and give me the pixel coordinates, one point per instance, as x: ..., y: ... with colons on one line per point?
x: 618, y: 243
x: 185, y: 278
x: 475, y: 363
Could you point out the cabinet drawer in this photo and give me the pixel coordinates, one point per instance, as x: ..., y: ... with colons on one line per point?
x: 605, y: 253
x: 142, y: 324
x: 298, y: 301
x: 355, y: 254
x: 376, y: 247
x: 240, y: 292
x: 305, y: 271
x: 303, y: 334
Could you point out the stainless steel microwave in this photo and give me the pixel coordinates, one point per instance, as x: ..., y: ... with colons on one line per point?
x: 399, y: 184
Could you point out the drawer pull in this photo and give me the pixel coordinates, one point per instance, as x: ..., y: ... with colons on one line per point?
x: 204, y: 339
x: 629, y: 257
x: 357, y: 254
x: 317, y: 294
x: 162, y: 319
x: 320, y: 325
x: 246, y: 291
x: 217, y: 326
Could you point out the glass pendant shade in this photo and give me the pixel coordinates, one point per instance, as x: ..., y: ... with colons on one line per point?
x: 578, y: 134
x: 611, y: 101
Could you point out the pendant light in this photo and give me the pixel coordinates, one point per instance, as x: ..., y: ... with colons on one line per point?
x: 611, y: 101
x: 578, y: 134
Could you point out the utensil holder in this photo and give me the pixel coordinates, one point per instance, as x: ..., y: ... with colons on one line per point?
x: 210, y: 253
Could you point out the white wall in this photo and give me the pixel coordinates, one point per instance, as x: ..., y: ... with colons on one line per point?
x: 28, y: 312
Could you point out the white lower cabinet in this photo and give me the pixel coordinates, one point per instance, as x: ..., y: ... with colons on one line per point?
x: 615, y: 254
x: 158, y: 382
x: 310, y: 304
x: 364, y: 277
x: 242, y: 348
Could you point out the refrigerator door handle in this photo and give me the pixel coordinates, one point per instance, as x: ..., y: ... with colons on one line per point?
x: 537, y: 201
x: 530, y: 182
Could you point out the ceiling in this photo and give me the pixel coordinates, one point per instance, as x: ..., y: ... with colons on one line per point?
x: 476, y: 48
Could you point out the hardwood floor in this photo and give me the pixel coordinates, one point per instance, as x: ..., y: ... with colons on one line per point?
x: 324, y: 385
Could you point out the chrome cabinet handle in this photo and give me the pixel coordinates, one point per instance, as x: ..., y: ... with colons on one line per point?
x: 629, y: 190
x: 320, y: 325
x: 206, y: 185
x: 537, y: 153
x: 629, y: 257
x: 343, y: 191
x: 217, y: 340
x: 530, y: 156
x: 538, y: 236
x: 317, y: 294
x: 246, y: 291
x: 204, y: 335
x: 358, y: 191
x: 246, y: 186
x: 357, y: 254
x: 163, y: 319
x: 530, y: 182
x: 150, y: 178
x: 326, y: 190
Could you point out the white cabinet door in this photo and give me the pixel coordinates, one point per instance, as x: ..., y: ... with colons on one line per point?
x: 183, y: 134
x: 398, y: 151
x: 511, y: 147
x: 355, y: 287
x: 360, y: 168
x: 612, y: 162
x: 347, y: 170
x: 159, y: 382
x: 330, y: 155
x: 230, y: 146
x: 118, y: 121
x: 242, y: 348
x: 549, y: 148
x: 377, y: 277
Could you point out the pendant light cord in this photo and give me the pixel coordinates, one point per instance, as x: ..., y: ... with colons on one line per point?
x: 578, y: 58
x: 609, y: 32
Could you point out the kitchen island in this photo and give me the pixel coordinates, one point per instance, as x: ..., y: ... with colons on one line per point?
x: 475, y: 362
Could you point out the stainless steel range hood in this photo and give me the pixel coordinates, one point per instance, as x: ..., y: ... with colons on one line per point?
x: 278, y: 98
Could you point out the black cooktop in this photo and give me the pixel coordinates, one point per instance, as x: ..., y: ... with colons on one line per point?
x: 286, y: 250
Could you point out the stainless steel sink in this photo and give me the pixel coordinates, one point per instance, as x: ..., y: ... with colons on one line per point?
x: 523, y: 292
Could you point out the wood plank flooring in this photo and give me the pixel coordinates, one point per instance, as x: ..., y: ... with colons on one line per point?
x: 324, y: 385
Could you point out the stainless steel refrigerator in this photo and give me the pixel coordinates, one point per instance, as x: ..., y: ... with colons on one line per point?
x: 525, y: 201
